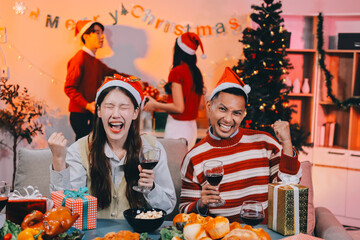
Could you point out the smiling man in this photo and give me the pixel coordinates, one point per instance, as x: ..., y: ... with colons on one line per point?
x: 85, y: 74
x: 251, y: 158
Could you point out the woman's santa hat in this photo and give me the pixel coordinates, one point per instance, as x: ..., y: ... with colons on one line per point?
x: 131, y: 84
x: 230, y: 79
x: 189, y: 42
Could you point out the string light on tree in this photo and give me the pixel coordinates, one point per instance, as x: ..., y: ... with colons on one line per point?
x: 265, y: 64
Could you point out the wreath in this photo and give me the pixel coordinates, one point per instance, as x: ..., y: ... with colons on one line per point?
x: 353, y: 101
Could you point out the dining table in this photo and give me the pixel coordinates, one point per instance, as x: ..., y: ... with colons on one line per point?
x: 104, y: 226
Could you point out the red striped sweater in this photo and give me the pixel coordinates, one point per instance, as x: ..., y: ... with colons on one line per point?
x: 251, y: 160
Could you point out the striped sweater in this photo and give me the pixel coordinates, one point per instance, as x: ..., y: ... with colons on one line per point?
x: 251, y: 160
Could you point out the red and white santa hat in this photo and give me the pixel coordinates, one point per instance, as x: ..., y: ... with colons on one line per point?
x: 189, y: 42
x: 131, y: 83
x: 230, y: 79
x: 81, y: 26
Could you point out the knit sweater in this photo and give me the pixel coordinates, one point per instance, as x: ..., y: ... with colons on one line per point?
x: 251, y: 160
x: 85, y: 74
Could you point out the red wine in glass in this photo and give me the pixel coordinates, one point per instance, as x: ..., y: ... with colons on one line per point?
x: 214, y: 179
x: 252, y: 219
x: 149, y: 164
x: 148, y: 158
x: 214, y: 172
x: 3, y: 201
x: 252, y: 212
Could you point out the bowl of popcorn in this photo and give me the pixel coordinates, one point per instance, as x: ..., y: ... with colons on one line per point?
x: 145, y: 219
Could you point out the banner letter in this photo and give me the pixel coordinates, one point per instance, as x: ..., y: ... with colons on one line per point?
x: 52, y: 23
x: 115, y: 18
x: 34, y: 15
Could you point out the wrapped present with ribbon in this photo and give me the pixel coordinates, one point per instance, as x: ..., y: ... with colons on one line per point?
x: 79, y: 201
x: 22, y: 202
x: 287, y: 210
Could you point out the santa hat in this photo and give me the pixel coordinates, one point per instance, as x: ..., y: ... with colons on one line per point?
x: 82, y: 25
x: 230, y: 79
x: 131, y: 83
x: 189, y: 42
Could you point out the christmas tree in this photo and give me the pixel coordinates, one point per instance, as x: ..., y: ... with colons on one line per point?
x: 264, y: 68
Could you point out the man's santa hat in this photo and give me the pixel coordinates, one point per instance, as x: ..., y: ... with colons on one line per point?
x: 230, y: 79
x: 131, y: 84
x: 83, y: 25
x: 189, y: 42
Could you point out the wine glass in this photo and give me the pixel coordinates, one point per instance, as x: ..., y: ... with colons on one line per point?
x: 4, y: 196
x: 214, y: 172
x: 252, y: 212
x: 149, y: 157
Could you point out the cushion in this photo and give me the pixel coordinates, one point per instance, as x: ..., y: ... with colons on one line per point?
x: 33, y: 169
x: 328, y: 227
x: 176, y: 150
x: 306, y: 180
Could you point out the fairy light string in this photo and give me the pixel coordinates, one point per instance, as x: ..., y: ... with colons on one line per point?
x: 29, y: 64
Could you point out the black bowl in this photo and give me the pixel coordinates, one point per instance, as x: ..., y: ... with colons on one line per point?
x: 143, y: 225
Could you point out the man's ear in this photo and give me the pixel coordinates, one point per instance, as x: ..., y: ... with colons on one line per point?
x: 208, y: 105
x: 85, y: 36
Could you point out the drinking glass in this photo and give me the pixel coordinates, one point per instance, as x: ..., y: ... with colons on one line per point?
x: 149, y: 157
x: 214, y: 172
x: 252, y: 212
x: 4, y: 196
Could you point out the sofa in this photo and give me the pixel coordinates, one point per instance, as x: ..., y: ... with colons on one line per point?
x: 33, y: 169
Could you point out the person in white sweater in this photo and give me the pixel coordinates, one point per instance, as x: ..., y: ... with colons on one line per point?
x: 107, y: 160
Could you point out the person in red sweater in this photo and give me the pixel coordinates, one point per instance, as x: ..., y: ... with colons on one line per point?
x: 251, y: 158
x: 85, y: 74
x: 185, y: 87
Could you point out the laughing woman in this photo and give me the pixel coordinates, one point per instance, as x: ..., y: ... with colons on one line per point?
x: 107, y: 160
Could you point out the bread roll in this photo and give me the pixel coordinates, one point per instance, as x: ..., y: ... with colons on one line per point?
x: 243, y: 234
x: 234, y: 225
x: 262, y: 234
x: 218, y: 227
x: 181, y: 217
x: 195, y: 218
x: 194, y: 231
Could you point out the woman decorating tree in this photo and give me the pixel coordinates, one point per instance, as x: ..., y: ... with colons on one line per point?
x: 107, y: 160
x: 185, y: 87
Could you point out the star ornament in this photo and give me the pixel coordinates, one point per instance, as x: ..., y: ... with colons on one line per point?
x: 19, y: 7
x: 123, y: 10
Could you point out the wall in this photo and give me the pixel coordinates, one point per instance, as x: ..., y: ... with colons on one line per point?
x: 37, y: 55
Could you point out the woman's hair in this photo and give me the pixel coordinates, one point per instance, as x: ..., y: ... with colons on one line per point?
x: 100, y: 169
x: 190, y: 60
x: 91, y: 29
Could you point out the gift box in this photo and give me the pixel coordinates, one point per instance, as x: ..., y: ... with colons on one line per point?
x: 79, y: 202
x: 287, y: 210
x: 21, y: 204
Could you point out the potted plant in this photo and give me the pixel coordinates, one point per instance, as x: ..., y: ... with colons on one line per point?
x: 19, y: 117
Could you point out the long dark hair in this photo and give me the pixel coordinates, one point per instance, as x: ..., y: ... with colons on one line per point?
x: 100, y: 169
x: 190, y: 60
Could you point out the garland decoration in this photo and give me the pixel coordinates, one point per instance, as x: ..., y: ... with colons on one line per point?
x: 353, y: 101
